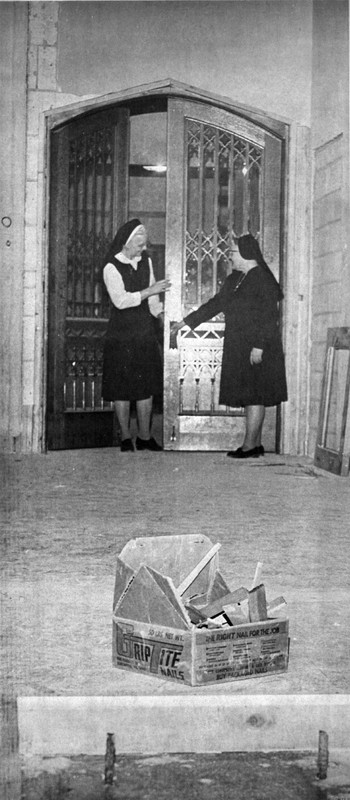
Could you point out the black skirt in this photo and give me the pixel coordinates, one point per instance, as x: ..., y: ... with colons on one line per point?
x: 244, y: 384
x: 132, y: 370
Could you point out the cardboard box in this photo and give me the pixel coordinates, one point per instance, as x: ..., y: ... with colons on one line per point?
x: 157, y: 581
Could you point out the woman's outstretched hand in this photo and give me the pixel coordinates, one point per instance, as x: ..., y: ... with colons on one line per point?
x: 174, y: 329
x: 256, y: 355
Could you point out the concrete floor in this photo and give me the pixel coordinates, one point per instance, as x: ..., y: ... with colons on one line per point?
x: 68, y: 514
x: 66, y: 517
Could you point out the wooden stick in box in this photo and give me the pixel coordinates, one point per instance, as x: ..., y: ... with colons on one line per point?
x: 198, y: 569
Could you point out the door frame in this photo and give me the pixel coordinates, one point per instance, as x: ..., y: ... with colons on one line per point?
x: 295, y: 246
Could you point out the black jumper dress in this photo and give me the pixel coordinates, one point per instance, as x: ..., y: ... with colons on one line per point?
x: 132, y: 368
x: 251, y: 320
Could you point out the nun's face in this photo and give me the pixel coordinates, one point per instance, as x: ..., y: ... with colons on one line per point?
x: 136, y: 245
x: 235, y: 259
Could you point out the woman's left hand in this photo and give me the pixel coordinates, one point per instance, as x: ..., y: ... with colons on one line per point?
x: 174, y: 329
x: 256, y: 355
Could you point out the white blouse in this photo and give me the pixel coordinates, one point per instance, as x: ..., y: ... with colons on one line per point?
x: 116, y: 288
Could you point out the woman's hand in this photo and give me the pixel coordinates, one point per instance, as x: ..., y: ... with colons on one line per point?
x: 176, y: 326
x: 156, y: 288
x: 174, y: 329
x: 256, y: 355
x: 159, y: 287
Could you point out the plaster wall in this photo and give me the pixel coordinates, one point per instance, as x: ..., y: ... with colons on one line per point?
x: 330, y: 73
x: 13, y: 45
x: 257, y: 52
x: 330, y: 299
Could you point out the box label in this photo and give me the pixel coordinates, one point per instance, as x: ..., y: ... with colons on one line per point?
x: 201, y: 656
x: 242, y: 652
x: 158, y: 652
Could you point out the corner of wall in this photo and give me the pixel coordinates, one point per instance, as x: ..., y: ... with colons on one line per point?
x: 297, y: 291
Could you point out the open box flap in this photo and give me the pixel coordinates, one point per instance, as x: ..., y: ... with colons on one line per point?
x: 173, y: 556
x: 172, y: 594
x: 123, y: 575
x: 151, y: 597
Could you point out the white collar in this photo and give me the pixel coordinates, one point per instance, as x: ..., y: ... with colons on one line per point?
x: 123, y: 258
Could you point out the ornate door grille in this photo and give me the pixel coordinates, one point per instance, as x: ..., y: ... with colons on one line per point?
x: 90, y: 230
x: 224, y: 186
x: 90, y: 221
x: 200, y: 356
x: 88, y: 187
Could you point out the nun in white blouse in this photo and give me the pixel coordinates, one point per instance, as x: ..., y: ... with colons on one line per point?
x: 132, y: 369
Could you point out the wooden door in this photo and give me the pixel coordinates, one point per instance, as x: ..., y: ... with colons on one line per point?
x: 223, y: 179
x: 88, y: 201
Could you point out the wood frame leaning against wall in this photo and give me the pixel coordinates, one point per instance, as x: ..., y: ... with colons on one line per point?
x: 294, y: 245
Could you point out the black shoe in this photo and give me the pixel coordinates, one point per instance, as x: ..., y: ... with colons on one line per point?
x: 126, y: 446
x: 261, y: 450
x: 147, y: 444
x: 253, y: 453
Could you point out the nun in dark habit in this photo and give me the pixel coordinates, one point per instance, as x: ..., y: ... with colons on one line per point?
x: 132, y: 369
x: 253, y: 370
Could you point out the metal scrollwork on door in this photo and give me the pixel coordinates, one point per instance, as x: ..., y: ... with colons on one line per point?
x: 90, y: 229
x: 200, y: 358
x: 84, y: 353
x: 224, y: 185
x: 90, y: 224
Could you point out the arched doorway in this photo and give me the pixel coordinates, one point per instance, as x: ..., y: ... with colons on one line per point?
x: 194, y: 173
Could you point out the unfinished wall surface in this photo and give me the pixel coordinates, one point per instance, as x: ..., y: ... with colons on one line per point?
x: 257, y: 52
x: 13, y: 45
x: 41, y: 95
x: 330, y: 244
